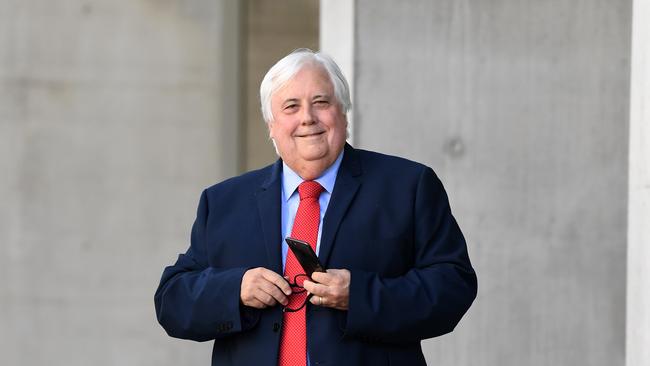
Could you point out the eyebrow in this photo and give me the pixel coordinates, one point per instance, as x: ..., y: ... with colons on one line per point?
x: 290, y: 100
x: 296, y: 100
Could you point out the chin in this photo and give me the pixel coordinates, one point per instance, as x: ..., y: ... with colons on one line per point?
x: 311, y: 152
x: 314, y: 156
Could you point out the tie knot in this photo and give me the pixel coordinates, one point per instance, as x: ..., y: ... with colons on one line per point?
x: 309, y: 189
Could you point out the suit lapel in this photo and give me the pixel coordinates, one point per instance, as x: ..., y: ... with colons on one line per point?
x: 269, y: 205
x: 346, y: 187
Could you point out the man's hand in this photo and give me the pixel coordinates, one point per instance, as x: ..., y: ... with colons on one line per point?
x: 261, y: 288
x: 330, y: 289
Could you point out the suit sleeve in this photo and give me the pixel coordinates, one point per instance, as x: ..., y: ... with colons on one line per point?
x: 199, y: 302
x: 430, y: 298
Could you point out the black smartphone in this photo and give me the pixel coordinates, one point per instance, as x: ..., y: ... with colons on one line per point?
x: 305, y: 256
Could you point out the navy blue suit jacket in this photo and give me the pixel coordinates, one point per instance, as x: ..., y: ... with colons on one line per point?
x: 388, y: 222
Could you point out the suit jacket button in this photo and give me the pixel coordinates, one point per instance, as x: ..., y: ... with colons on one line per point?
x: 276, y: 327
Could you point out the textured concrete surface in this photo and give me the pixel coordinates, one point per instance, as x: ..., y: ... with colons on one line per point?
x: 522, y: 109
x: 638, y: 273
x: 113, y: 116
x: 273, y: 29
x: 337, y: 22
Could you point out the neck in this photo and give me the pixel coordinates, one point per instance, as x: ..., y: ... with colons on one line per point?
x: 310, y: 170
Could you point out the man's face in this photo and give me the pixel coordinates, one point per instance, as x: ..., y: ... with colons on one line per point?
x: 309, y: 128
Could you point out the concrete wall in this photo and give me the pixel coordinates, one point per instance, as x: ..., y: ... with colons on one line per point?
x: 638, y: 273
x: 337, y: 22
x: 113, y: 116
x: 522, y: 109
x: 272, y: 29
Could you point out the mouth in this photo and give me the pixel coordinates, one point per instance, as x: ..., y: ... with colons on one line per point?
x: 312, y: 134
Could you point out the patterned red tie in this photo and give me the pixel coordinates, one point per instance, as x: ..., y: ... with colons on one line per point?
x: 293, y: 346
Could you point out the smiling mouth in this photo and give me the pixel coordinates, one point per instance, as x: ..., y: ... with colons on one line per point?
x: 311, y: 134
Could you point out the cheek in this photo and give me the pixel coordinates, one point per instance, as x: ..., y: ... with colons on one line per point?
x: 275, y: 130
x: 339, y: 130
x: 279, y: 131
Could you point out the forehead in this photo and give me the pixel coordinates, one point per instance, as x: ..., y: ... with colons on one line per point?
x: 310, y: 79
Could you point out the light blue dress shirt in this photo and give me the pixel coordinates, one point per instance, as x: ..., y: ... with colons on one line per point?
x: 291, y: 199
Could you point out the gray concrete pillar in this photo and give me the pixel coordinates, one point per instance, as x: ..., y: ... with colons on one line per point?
x: 337, y: 22
x: 522, y: 109
x: 638, y: 256
x: 113, y: 116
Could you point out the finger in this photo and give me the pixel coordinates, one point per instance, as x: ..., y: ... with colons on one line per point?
x: 314, y: 288
x: 336, y: 277
x: 258, y: 304
x: 322, y: 277
x: 272, y: 290
x: 317, y: 300
x: 264, y: 297
x: 254, y: 303
x: 279, y: 281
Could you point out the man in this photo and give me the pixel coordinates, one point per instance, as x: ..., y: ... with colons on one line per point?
x: 398, y: 265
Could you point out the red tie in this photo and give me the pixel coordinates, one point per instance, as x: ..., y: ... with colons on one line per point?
x: 293, y: 346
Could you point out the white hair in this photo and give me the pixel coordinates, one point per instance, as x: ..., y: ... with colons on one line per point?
x: 285, y: 69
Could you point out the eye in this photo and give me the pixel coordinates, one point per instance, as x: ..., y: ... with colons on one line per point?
x: 290, y: 107
x: 321, y: 103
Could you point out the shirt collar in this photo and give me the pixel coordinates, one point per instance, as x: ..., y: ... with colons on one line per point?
x: 291, y: 180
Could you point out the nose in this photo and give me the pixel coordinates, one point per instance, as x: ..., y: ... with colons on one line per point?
x: 307, y: 117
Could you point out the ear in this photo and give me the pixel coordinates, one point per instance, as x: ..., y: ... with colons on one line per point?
x: 347, y: 127
x: 270, y: 127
